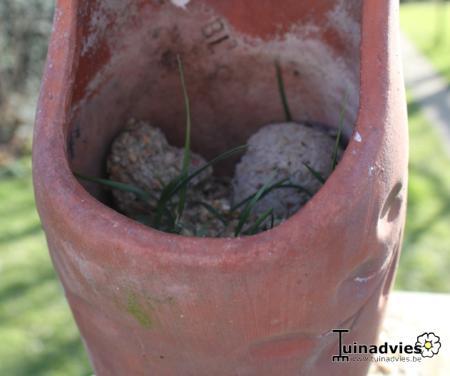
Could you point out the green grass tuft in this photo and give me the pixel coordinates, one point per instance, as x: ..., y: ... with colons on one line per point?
x: 282, y: 90
x: 187, y: 143
x: 252, y: 201
x: 339, y: 134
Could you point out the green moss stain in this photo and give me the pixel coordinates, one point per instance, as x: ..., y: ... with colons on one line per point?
x: 140, y: 313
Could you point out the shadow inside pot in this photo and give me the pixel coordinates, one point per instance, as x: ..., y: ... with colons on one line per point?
x: 126, y: 67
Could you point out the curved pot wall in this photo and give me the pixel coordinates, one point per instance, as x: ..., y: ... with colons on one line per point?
x: 153, y: 303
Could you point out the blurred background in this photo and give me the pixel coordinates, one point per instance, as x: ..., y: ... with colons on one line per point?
x: 38, y: 336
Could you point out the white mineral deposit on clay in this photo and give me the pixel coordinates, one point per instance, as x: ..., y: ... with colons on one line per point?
x: 345, y: 25
x: 330, y: 78
x: 99, y: 21
x: 361, y: 280
x: 302, y: 45
x: 358, y: 137
x: 180, y: 3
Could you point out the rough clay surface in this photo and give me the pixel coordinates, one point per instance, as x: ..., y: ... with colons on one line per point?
x: 280, y: 151
x: 142, y: 157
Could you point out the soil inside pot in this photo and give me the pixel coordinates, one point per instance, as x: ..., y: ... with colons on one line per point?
x: 279, y: 165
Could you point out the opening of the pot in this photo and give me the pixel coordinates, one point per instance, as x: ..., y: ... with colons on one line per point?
x: 127, y: 68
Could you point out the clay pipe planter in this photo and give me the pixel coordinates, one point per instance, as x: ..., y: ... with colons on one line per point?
x: 148, y: 302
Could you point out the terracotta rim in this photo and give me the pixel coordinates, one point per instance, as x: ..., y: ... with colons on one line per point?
x: 82, y: 213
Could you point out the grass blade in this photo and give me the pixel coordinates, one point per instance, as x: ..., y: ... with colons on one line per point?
x: 296, y: 186
x: 279, y: 184
x: 140, y: 193
x: 282, y: 89
x: 187, y: 142
x: 143, y: 195
x: 164, y: 198
x: 262, y: 218
x: 315, y: 173
x: 212, y: 162
x: 213, y: 211
x: 339, y: 134
x: 176, y: 184
x: 272, y: 221
x: 245, y: 214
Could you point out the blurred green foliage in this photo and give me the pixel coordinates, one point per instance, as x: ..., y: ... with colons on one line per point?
x: 38, y: 335
x: 428, y: 26
x: 425, y: 262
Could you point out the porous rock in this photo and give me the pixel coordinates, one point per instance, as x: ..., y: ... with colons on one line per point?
x: 279, y: 151
x: 141, y: 156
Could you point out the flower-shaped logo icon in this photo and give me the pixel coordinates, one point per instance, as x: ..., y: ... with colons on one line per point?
x: 429, y: 343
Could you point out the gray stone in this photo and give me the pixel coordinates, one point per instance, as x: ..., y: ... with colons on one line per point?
x: 280, y: 151
x: 142, y: 157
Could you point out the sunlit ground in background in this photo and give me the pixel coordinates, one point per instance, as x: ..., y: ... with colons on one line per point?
x: 38, y: 336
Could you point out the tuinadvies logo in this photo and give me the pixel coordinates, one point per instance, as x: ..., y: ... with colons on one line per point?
x: 427, y: 346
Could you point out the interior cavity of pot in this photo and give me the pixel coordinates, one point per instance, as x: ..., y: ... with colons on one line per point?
x: 127, y: 68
